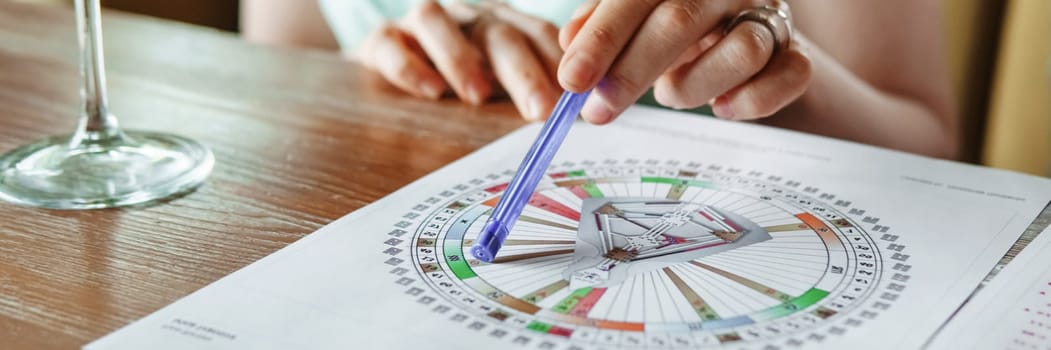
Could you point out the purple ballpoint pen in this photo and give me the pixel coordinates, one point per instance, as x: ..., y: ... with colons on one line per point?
x: 528, y: 176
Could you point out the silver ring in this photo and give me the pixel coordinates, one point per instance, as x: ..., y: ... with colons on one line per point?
x: 775, y: 17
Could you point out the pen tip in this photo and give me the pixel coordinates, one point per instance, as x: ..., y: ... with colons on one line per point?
x: 489, y: 241
x: 481, y: 253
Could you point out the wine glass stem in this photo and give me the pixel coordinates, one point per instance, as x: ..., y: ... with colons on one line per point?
x: 96, y: 123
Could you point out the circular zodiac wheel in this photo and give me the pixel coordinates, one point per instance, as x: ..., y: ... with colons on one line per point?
x: 653, y: 254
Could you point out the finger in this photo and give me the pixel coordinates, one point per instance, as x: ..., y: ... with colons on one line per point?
x: 461, y: 12
x: 576, y: 21
x: 519, y: 70
x: 543, y: 36
x: 732, y: 61
x: 694, y: 51
x: 453, y: 55
x: 390, y: 52
x: 668, y: 32
x: 779, y: 84
x: 607, y: 31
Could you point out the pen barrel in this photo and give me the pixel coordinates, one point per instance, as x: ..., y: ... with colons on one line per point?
x: 533, y: 167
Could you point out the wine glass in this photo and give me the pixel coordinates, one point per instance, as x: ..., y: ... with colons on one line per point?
x: 100, y: 165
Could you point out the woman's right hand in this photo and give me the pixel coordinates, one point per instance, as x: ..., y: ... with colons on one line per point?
x: 683, y: 50
x: 476, y: 51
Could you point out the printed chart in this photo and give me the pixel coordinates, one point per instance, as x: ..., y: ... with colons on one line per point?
x: 664, y: 254
x: 659, y: 231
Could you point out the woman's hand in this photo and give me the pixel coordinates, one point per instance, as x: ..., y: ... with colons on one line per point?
x: 622, y: 48
x: 474, y: 50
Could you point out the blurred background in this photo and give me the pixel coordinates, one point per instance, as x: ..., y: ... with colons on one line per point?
x: 220, y: 14
x: 1000, y: 58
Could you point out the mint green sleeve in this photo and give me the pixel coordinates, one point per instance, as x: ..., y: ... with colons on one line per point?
x: 555, y: 11
x: 352, y: 20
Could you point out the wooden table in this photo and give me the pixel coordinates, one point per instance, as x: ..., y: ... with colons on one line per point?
x: 300, y: 138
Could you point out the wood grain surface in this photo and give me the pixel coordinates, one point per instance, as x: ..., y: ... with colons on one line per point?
x: 300, y: 138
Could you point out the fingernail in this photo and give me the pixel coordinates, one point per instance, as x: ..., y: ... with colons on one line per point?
x: 535, y: 107
x: 721, y: 108
x: 578, y: 72
x: 474, y: 92
x: 431, y: 90
x: 596, y: 112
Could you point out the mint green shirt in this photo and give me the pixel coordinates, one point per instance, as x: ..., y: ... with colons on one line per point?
x: 352, y: 20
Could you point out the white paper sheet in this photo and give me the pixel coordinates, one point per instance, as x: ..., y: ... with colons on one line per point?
x: 767, y: 239
x: 1013, y: 311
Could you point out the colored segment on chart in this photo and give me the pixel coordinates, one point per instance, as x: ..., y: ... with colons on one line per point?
x: 698, y: 303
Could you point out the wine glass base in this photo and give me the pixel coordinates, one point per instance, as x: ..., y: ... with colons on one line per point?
x: 138, y: 168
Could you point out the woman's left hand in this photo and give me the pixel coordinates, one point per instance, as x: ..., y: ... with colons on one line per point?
x: 678, y: 47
